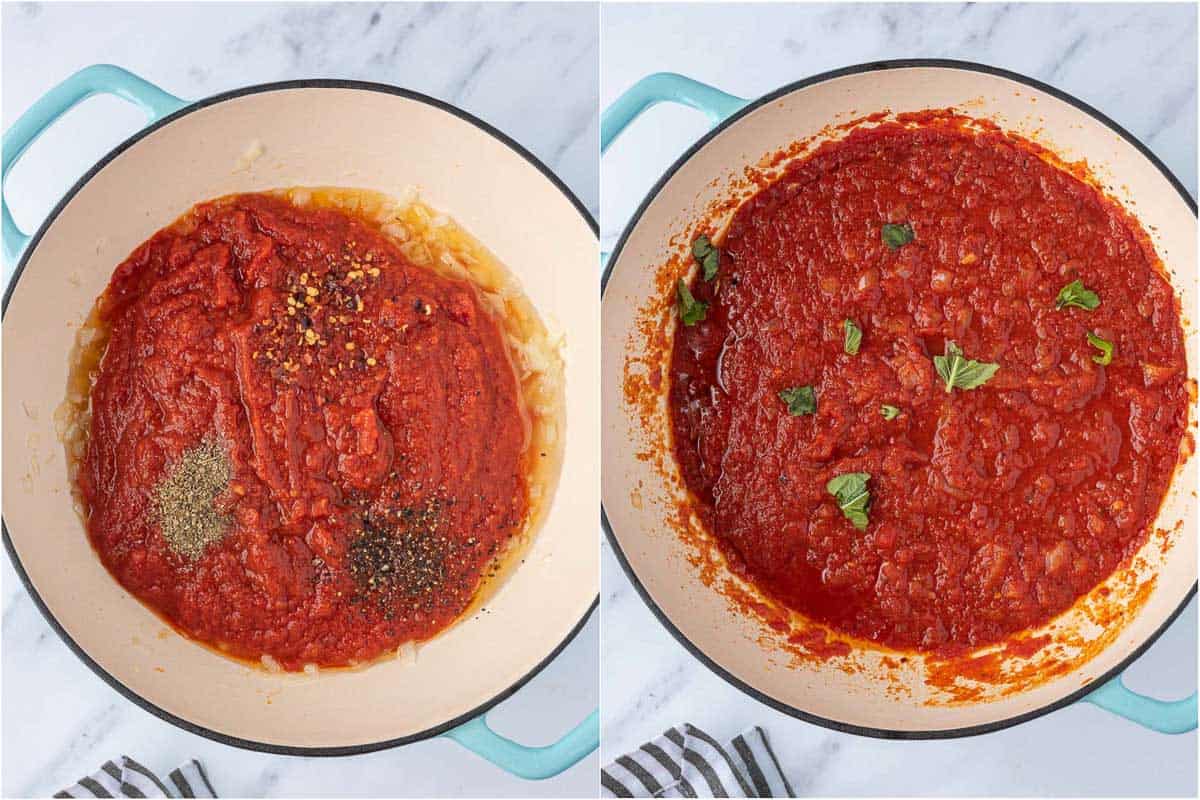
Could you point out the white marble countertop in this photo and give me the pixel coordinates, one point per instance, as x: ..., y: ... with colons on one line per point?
x: 530, y: 70
x: 1135, y: 63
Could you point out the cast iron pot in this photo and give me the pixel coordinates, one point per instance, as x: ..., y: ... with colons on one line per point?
x: 640, y: 500
x: 315, y: 132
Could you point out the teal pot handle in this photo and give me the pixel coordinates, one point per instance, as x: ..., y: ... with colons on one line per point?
x: 1164, y: 716
x: 665, y: 87
x: 96, y: 79
x: 532, y: 763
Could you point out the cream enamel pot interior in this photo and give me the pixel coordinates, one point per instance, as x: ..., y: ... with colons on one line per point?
x: 640, y: 499
x: 312, y: 133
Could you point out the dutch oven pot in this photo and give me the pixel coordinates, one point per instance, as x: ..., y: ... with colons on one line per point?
x: 655, y: 558
x: 313, y: 133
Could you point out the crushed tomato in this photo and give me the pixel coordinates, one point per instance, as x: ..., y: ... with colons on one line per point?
x: 362, y: 401
x: 992, y: 509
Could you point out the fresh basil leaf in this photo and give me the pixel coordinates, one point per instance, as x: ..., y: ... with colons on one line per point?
x: 853, y: 482
x: 691, y: 310
x: 853, y: 337
x: 707, y: 256
x: 896, y: 236
x: 1077, y: 295
x: 961, y: 373
x: 853, y: 497
x: 1105, y: 347
x: 889, y: 412
x: 858, y: 519
x: 800, y: 400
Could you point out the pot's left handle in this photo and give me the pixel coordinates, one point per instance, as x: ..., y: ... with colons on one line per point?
x: 96, y: 79
x: 532, y: 763
x: 665, y: 87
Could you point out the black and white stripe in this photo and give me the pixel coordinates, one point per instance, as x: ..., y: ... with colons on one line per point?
x: 687, y: 762
x: 128, y: 778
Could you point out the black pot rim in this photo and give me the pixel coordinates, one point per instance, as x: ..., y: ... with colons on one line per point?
x: 115, y: 683
x: 762, y: 697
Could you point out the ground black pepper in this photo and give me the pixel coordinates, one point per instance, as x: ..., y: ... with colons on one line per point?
x: 400, y: 557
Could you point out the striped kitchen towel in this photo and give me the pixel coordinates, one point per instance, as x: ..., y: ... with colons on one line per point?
x: 687, y: 762
x: 128, y: 778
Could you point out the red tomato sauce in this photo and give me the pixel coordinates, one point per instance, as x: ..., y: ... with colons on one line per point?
x: 991, y: 509
x: 352, y: 391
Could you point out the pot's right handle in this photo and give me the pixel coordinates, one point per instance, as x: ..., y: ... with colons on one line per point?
x: 531, y: 763
x: 1164, y: 716
x: 665, y: 87
x: 96, y: 79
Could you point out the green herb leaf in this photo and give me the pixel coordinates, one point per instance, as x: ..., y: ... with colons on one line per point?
x: 707, y: 256
x: 889, y: 412
x: 691, y: 310
x: 1077, y: 295
x: 800, y: 400
x: 858, y: 519
x: 853, y: 497
x: 896, y: 236
x: 961, y: 373
x: 1105, y: 347
x: 853, y: 337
